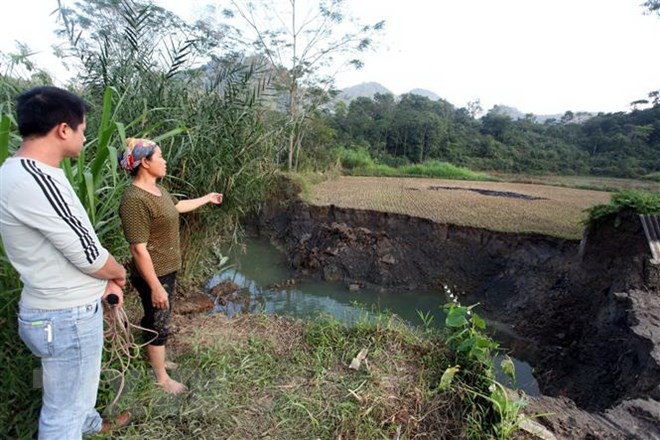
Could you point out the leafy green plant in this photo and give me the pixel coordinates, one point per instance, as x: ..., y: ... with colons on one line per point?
x: 427, y: 319
x: 441, y: 170
x: 208, y: 119
x: 638, y: 201
x: 494, y: 410
x: 358, y: 157
x: 5, y: 124
x: 18, y: 403
x: 358, y: 161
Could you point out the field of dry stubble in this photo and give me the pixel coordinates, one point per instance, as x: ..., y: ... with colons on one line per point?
x: 508, y: 207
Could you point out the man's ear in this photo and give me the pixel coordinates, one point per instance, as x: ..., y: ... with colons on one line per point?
x: 62, y: 130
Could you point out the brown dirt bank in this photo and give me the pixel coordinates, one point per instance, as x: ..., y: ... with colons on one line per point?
x: 591, y: 320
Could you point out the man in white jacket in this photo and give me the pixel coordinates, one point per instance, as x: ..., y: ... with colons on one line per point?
x: 65, y: 271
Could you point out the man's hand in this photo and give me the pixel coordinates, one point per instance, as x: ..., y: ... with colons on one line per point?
x: 114, y: 288
x: 159, y: 297
x: 215, y: 198
x: 112, y: 270
x: 121, y: 282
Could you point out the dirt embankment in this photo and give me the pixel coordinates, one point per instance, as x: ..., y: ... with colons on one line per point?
x: 587, y: 311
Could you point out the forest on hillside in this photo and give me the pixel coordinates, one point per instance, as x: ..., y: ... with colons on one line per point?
x: 296, y: 119
x: 414, y: 129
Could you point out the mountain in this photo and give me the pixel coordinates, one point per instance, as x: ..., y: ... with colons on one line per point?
x: 504, y: 110
x: 426, y: 93
x: 369, y: 89
x: 366, y: 90
x: 514, y: 113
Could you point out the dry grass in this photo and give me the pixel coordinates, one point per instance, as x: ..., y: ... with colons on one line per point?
x: 270, y: 377
x: 557, y: 211
x: 211, y: 330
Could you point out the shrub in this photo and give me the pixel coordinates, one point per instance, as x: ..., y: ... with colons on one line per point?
x: 654, y: 177
x: 639, y: 201
x: 355, y: 158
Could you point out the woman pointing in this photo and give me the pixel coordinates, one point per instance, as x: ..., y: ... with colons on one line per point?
x: 150, y: 219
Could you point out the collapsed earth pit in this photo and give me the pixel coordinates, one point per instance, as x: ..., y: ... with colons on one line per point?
x: 587, y: 308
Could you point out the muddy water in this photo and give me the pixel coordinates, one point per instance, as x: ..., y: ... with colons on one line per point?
x: 261, y: 271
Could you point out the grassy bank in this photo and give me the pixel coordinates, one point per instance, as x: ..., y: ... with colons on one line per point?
x: 266, y: 376
x: 636, y: 201
x: 358, y: 162
x: 260, y: 376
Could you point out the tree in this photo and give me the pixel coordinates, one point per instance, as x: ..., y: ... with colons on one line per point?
x: 567, y: 117
x: 210, y: 115
x: 634, y: 104
x: 129, y: 43
x: 306, y: 39
x: 496, y: 125
x: 652, y: 6
x: 474, y: 108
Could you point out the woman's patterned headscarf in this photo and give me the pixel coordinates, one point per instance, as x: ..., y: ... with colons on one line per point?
x: 136, y: 150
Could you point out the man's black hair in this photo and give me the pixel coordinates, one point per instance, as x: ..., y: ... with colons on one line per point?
x: 40, y: 109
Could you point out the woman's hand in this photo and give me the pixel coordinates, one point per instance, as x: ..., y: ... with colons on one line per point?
x: 159, y: 298
x: 215, y: 198
x: 192, y: 204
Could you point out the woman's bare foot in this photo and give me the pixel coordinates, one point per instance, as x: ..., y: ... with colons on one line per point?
x: 169, y: 365
x: 171, y: 386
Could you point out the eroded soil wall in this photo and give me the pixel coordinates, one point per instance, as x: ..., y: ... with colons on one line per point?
x: 586, y: 309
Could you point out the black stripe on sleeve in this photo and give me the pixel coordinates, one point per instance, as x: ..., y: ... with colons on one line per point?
x: 88, y: 243
x: 88, y: 238
x: 61, y: 208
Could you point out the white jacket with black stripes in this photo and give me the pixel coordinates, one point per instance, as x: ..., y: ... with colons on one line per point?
x: 48, y: 237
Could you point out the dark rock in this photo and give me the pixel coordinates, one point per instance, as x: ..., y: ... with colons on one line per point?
x: 224, y: 288
x: 332, y: 273
x: 193, y: 303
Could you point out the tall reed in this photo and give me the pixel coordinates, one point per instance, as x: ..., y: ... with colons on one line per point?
x: 208, y: 121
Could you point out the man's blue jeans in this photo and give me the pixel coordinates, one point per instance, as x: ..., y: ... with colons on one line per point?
x: 69, y: 343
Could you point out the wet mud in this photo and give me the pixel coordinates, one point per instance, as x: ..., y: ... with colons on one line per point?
x: 587, y: 313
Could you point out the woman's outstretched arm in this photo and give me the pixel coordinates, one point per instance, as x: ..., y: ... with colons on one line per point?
x: 192, y: 204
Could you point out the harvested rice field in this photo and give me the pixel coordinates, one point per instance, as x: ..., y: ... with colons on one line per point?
x: 497, y: 206
x: 583, y: 182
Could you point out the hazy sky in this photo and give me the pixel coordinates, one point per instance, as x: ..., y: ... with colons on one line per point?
x: 537, y: 55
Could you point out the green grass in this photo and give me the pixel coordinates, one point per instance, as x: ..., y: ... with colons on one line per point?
x: 442, y: 170
x: 303, y: 183
x: 654, y: 177
x: 358, y: 162
x: 253, y: 386
x: 638, y: 201
x: 259, y: 376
